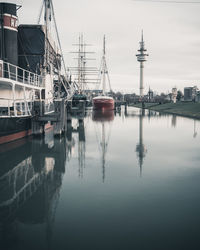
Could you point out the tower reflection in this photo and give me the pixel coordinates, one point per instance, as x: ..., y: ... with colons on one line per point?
x: 140, y: 147
x: 104, y: 118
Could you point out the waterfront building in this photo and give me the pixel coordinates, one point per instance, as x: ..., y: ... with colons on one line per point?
x: 174, y: 95
x: 197, y: 97
x: 150, y: 95
x: 190, y: 93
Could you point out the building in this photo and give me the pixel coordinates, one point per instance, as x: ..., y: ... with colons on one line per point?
x: 190, y: 93
x: 197, y: 97
x: 174, y: 95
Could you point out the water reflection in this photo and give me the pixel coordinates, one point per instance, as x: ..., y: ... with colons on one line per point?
x: 174, y: 120
x: 140, y: 147
x: 30, y: 181
x: 195, y: 130
x: 104, y: 118
x: 80, y: 130
x: 34, y: 209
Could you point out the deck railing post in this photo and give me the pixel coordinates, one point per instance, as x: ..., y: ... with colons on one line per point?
x: 14, y: 106
x: 9, y: 107
x: 16, y: 74
x: 23, y: 75
x: 8, y: 66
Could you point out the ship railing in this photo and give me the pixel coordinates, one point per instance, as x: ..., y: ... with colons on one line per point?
x: 18, y: 74
x: 15, y: 108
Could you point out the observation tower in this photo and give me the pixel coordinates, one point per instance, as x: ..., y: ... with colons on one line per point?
x: 141, y: 57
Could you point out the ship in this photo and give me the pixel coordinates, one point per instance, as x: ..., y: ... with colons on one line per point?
x: 84, y: 75
x: 30, y: 71
x: 103, y: 102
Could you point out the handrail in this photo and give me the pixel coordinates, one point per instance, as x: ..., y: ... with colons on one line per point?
x: 22, y: 107
x: 15, y: 108
x: 16, y: 73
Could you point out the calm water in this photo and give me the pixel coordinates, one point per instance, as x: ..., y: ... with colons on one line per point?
x: 129, y: 181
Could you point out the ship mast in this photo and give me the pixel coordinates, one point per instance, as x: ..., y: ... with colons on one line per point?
x: 47, y: 20
x: 82, y: 72
x: 104, y: 68
x: 49, y: 15
x: 104, y: 65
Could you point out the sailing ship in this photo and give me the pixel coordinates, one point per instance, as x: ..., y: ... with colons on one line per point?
x: 103, y: 102
x: 30, y: 71
x: 85, y: 75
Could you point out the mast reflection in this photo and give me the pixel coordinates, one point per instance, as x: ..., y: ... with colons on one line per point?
x: 174, y: 121
x: 30, y: 181
x: 80, y: 130
x: 195, y: 130
x: 103, y: 117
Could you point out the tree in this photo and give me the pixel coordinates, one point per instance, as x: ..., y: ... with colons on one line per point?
x: 179, y: 95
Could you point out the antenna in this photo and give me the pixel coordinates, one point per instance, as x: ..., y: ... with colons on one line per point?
x: 104, y: 45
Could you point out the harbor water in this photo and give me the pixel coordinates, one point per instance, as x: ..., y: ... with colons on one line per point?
x: 124, y: 181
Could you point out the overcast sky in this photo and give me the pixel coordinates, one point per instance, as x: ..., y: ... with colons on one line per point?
x: 171, y: 34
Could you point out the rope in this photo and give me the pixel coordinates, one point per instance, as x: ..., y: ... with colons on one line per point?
x: 58, y: 38
x: 40, y: 14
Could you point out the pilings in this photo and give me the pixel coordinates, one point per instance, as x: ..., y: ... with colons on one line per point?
x: 59, y: 126
x: 60, y: 120
x: 118, y: 105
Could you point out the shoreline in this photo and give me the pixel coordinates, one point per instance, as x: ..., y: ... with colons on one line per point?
x: 185, y: 109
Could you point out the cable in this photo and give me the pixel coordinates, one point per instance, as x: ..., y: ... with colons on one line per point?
x: 58, y: 38
x: 40, y: 14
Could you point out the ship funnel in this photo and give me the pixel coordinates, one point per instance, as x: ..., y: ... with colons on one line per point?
x: 8, y: 33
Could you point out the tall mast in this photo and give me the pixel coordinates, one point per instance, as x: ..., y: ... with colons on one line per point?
x: 82, y: 72
x: 104, y: 65
x: 104, y: 69
x: 2, y: 57
x: 104, y: 45
x: 47, y: 20
x: 47, y: 15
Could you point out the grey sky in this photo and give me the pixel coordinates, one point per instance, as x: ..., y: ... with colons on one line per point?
x: 171, y: 33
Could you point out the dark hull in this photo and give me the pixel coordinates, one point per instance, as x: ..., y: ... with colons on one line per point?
x: 14, y: 128
x: 103, y: 104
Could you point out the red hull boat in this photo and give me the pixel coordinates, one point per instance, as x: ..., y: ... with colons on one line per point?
x: 103, y: 103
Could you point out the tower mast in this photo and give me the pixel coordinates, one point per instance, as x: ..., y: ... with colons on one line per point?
x: 141, y: 57
x: 104, y: 65
x: 104, y: 69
